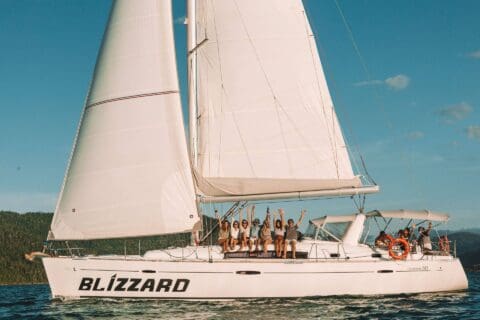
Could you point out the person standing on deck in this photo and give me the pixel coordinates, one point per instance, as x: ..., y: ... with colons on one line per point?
x: 291, y: 235
x: 424, y: 237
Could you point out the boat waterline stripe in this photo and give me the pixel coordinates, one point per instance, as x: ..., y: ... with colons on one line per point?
x: 316, y: 272
x: 106, y: 270
x: 230, y: 272
x: 132, y: 97
x: 109, y: 270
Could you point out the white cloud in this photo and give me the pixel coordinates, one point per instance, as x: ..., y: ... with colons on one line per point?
x: 398, y: 82
x: 415, y: 135
x: 28, y: 202
x: 368, y: 83
x: 474, y: 54
x: 455, y: 112
x: 473, y: 132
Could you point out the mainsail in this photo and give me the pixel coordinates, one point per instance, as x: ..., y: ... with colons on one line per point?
x: 265, y: 120
x: 129, y: 174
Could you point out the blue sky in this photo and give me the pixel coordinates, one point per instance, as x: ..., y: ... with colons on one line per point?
x: 414, y: 116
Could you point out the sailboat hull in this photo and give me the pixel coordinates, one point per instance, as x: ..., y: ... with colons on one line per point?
x: 133, y: 277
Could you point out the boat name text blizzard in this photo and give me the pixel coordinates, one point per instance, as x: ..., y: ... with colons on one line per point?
x: 133, y: 284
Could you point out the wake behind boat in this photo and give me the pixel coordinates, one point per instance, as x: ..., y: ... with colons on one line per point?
x: 262, y: 126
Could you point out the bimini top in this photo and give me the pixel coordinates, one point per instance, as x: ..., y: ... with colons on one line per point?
x: 409, y: 214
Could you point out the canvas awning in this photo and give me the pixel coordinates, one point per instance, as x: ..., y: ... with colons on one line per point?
x: 409, y: 214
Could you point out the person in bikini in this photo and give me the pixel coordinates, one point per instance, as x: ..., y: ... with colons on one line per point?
x: 291, y: 235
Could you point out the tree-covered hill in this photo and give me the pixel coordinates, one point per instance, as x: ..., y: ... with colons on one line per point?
x: 23, y: 233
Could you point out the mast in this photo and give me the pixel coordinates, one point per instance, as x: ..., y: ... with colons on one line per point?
x: 192, y: 80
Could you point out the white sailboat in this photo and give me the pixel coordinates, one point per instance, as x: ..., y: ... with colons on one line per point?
x: 262, y: 126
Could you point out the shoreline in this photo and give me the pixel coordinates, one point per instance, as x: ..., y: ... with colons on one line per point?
x: 22, y: 284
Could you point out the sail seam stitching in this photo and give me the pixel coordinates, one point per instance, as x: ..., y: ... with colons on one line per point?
x: 131, y: 97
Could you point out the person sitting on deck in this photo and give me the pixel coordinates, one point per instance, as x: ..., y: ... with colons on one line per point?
x: 223, y: 234
x: 279, y: 233
x: 254, y: 231
x: 244, y: 232
x: 266, y: 233
x: 291, y: 235
x: 234, y: 234
x: 411, y: 237
x: 254, y: 235
x: 382, y: 240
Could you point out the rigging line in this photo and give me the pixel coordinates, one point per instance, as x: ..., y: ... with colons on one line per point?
x: 377, y: 96
x: 224, y: 94
x: 275, y: 100
x: 312, y: 55
x: 368, y: 75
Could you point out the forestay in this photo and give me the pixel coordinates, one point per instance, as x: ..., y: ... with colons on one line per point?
x: 266, y: 121
x: 129, y: 173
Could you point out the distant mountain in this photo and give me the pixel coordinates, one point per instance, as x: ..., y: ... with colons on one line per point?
x: 465, y: 241
x: 468, y: 248
x: 23, y: 233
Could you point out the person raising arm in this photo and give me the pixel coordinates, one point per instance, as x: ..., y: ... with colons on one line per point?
x: 266, y: 233
x: 291, y: 235
x: 279, y: 232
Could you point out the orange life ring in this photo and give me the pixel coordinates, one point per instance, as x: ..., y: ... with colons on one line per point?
x: 399, y: 241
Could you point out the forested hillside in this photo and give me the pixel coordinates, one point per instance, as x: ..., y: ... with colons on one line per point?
x: 22, y: 233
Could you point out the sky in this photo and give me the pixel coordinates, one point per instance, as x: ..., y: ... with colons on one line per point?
x: 406, y: 91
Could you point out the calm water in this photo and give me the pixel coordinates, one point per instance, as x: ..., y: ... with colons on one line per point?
x: 24, y: 302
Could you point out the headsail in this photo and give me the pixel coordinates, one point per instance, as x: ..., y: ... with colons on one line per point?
x: 129, y: 174
x: 266, y: 122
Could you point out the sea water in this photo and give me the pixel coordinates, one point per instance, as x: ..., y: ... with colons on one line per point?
x: 33, y: 302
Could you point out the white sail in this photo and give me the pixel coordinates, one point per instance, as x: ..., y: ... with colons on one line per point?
x: 266, y: 122
x: 129, y: 173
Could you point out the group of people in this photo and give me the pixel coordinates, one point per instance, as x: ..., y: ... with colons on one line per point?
x: 249, y: 233
x: 408, y: 234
